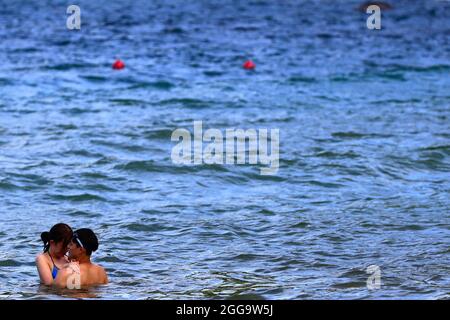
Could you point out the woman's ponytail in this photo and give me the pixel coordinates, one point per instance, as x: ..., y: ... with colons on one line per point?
x: 45, y: 237
x: 60, y: 232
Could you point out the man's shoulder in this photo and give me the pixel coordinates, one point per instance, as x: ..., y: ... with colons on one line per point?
x: 99, y: 268
x: 101, y: 273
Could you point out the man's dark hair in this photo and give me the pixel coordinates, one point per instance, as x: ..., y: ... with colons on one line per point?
x: 87, y: 238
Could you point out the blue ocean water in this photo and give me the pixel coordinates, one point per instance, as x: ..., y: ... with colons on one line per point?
x: 364, y: 147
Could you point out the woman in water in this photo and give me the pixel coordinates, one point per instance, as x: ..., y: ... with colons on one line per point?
x: 55, y: 247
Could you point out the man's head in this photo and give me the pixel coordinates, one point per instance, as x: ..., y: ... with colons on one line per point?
x: 83, y: 243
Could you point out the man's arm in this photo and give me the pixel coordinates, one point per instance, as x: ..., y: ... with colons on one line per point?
x: 61, y: 278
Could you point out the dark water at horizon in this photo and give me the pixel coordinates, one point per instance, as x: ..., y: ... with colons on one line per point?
x: 365, y: 147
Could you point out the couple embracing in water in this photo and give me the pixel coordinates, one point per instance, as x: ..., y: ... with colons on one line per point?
x: 66, y: 260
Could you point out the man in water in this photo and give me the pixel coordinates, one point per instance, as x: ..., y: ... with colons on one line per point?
x: 81, y: 271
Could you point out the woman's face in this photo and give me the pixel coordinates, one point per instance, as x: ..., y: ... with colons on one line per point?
x: 58, y: 248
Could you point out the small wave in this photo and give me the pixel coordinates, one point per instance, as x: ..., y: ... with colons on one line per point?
x: 105, y: 160
x: 395, y: 67
x: 267, y: 212
x: 158, y: 134
x: 259, y: 176
x: 337, y: 155
x: 390, y: 173
x: 9, y: 263
x: 348, y: 135
x: 325, y: 184
x: 161, y: 85
x: 68, y: 66
x: 67, y: 127
x: 186, y: 102
x: 174, y: 30
x: 213, y: 73
x: 94, y: 78
x: 444, y: 148
x: 427, y: 161
x: 412, y: 227
x: 4, y: 185
x: 32, y: 178
x: 122, y: 146
x: 234, y: 179
x: 246, y: 28
x: 83, y: 153
x: 147, y: 166
x: 396, y: 101
x: 78, y: 197
x: 77, y: 110
x: 349, y: 285
x: 79, y: 213
x: 325, y: 35
x: 41, y: 164
x: 391, y: 76
x: 25, y: 50
x: 151, y: 227
x: 128, y: 102
x: 248, y: 257
x: 95, y: 175
x: 99, y: 187
x: 302, y: 79
x: 110, y: 259
x: 246, y: 296
x: 409, y: 68
x: 356, y: 135
x: 152, y: 166
x: 6, y: 82
x: 299, y: 225
x: 345, y: 78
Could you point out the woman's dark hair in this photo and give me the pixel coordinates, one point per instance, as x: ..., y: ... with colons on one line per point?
x: 60, y: 232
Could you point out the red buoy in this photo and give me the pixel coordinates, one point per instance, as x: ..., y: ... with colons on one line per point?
x: 249, y: 65
x: 118, y: 65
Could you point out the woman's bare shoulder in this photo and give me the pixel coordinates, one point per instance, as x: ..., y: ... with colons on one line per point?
x: 41, y: 257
